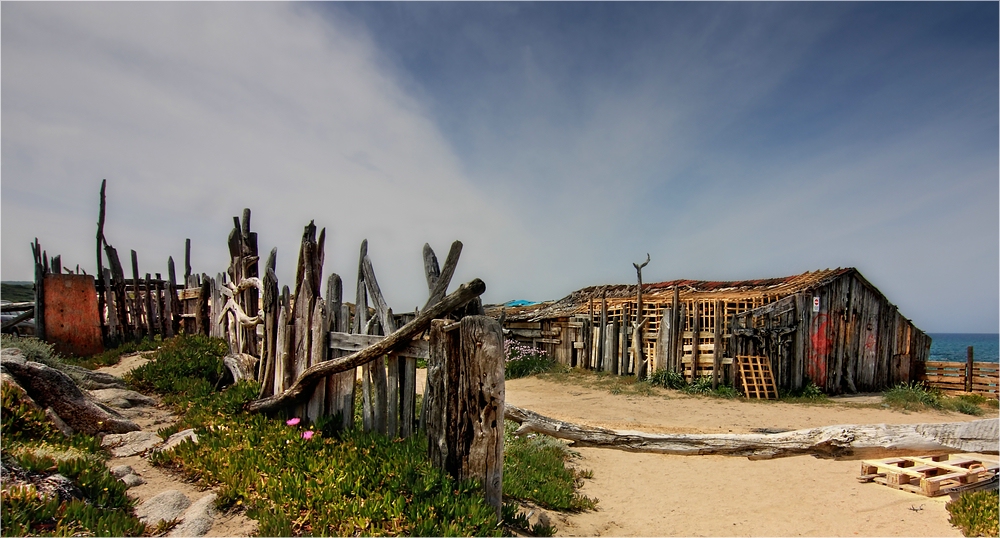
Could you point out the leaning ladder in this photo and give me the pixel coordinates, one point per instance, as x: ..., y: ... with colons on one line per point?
x: 758, y: 380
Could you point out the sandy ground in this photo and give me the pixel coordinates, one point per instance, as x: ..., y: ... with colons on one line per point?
x: 665, y: 495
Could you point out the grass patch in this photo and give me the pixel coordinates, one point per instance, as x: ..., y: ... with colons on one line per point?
x: 916, y: 396
x: 975, y: 513
x: 535, y: 470
x: 33, y: 450
x: 17, y: 292
x: 702, y: 385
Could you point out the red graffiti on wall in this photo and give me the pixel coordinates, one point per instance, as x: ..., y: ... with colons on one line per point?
x: 818, y: 349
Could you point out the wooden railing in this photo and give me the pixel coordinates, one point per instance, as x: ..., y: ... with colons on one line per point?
x: 962, y: 377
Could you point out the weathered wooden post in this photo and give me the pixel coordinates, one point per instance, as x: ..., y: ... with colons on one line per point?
x: 968, y: 369
x: 465, y: 401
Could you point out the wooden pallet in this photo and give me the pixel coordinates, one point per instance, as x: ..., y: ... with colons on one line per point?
x: 928, y: 475
x: 758, y: 380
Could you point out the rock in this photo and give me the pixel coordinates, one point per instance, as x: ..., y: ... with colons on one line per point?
x: 179, y: 438
x: 119, y: 471
x: 90, y: 380
x: 123, y: 398
x: 51, y: 388
x: 165, y: 506
x: 58, y: 486
x: 130, y: 444
x: 197, y: 519
x: 58, y: 422
x: 133, y: 480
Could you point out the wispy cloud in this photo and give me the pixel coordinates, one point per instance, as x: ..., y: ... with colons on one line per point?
x: 193, y: 111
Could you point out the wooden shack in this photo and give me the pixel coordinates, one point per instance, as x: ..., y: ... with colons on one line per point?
x: 830, y: 327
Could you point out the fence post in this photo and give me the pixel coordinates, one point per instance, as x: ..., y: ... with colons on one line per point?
x: 968, y: 370
x: 465, y: 399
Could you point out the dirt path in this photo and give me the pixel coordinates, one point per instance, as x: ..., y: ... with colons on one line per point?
x: 157, y: 480
x: 665, y: 495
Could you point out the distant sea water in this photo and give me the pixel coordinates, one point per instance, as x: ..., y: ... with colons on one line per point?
x: 952, y: 346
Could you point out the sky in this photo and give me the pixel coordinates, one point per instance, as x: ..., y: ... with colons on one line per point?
x: 560, y: 142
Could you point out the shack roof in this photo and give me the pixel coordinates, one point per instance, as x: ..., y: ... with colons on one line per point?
x: 577, y: 302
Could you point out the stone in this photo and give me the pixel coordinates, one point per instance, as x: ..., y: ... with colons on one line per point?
x: 197, y: 519
x: 130, y: 444
x: 123, y: 398
x: 179, y: 438
x: 166, y: 506
x: 133, y: 480
x: 120, y: 471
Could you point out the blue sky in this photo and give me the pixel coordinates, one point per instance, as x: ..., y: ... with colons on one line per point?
x: 559, y: 141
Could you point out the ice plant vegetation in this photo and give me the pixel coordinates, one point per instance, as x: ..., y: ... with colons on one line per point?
x: 293, y: 421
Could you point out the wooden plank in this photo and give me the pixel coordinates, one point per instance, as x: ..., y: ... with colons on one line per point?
x: 695, y: 335
x: 382, y: 309
x: 356, y: 342
x: 392, y: 396
x: 717, y: 344
x: 524, y: 325
x: 409, y: 396
x: 316, y: 407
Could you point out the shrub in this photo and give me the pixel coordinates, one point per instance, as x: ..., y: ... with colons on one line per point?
x: 522, y: 360
x: 669, y: 380
x: 975, y: 513
x: 33, y: 349
x: 186, y: 366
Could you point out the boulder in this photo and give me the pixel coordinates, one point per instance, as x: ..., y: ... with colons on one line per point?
x: 178, y: 438
x: 197, y: 519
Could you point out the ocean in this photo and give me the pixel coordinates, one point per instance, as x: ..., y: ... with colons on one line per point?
x: 952, y: 346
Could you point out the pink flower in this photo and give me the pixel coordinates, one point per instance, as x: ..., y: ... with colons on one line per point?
x: 293, y: 421
x: 308, y: 434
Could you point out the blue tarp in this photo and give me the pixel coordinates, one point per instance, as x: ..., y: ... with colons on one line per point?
x: 519, y: 302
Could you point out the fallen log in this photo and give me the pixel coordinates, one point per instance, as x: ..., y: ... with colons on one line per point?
x: 847, y: 441
x: 300, y: 389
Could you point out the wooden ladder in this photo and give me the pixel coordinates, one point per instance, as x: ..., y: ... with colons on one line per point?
x: 758, y: 380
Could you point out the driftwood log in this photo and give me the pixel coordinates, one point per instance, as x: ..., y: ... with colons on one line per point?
x: 844, y: 441
x: 400, y: 338
x: 53, y: 389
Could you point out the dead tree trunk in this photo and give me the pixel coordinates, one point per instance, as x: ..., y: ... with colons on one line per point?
x: 843, y: 441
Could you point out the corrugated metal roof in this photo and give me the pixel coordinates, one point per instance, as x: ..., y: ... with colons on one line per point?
x: 577, y: 302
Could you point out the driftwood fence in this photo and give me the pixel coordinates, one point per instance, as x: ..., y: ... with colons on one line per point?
x: 305, y: 350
